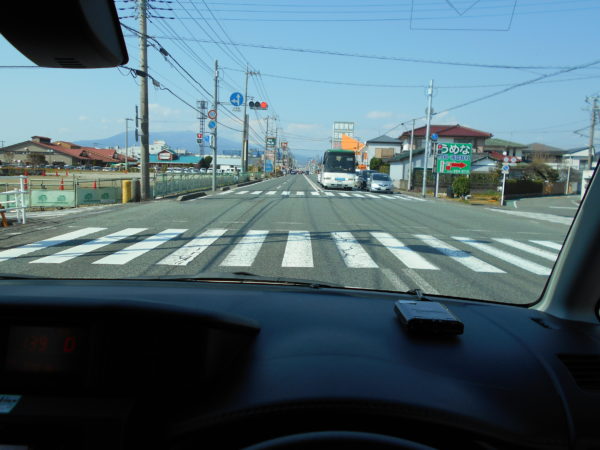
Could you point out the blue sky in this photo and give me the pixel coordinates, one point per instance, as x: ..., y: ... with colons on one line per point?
x: 89, y: 104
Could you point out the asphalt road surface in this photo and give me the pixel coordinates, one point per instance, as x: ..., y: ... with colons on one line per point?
x: 290, y: 227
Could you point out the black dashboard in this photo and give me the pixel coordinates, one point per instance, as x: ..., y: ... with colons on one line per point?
x: 124, y: 364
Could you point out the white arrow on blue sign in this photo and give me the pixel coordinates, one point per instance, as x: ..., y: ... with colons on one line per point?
x: 236, y: 99
x: 212, y: 124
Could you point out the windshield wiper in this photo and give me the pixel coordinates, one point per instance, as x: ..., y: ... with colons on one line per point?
x: 241, y: 277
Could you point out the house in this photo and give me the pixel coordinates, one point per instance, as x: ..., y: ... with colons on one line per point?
x: 383, y: 147
x: 499, y: 148
x: 577, y: 158
x: 447, y: 134
x: 483, y: 163
x: 40, y: 150
x: 553, y: 156
x: 400, y: 163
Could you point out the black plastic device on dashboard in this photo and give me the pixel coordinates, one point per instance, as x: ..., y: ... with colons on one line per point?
x: 427, y: 317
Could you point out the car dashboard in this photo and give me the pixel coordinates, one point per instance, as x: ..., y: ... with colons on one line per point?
x: 131, y: 364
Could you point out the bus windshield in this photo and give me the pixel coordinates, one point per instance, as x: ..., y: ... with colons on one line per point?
x: 339, y: 162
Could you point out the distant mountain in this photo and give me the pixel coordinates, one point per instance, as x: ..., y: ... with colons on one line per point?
x: 175, y: 139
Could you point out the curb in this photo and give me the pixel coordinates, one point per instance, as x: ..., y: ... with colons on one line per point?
x: 246, y: 183
x: 191, y: 196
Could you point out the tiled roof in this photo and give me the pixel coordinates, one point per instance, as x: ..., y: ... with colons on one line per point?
x: 384, y: 139
x: 502, y: 143
x: 543, y: 148
x: 448, y: 131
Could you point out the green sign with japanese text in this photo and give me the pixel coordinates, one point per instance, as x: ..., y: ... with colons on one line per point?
x: 454, y: 158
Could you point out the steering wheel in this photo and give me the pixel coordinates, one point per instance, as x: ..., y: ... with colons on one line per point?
x: 338, y: 440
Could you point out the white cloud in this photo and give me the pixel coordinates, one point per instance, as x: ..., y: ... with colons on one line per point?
x: 379, y: 114
x: 162, y: 111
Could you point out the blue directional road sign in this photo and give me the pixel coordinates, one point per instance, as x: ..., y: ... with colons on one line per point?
x: 268, y: 165
x: 212, y: 124
x: 207, y: 138
x: 434, y: 137
x: 236, y: 99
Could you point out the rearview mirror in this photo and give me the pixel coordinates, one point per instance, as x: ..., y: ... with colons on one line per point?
x: 72, y: 34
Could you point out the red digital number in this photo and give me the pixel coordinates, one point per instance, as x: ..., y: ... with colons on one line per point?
x: 70, y: 344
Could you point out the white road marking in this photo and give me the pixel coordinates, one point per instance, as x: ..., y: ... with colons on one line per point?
x: 298, y: 250
x: 315, y: 193
x: 372, y: 196
x: 464, y: 258
x: 88, y: 247
x: 245, y: 251
x: 57, y: 240
x: 548, y: 244
x: 528, y: 248
x: 563, y: 207
x: 256, y: 192
x: 410, y: 197
x: 537, y: 216
x: 343, y: 194
x: 505, y: 256
x: 352, y: 252
x: 242, y: 192
x: 398, y: 284
x: 420, y: 282
x: 271, y: 192
x: 285, y: 192
x: 192, y: 249
x: 329, y: 194
x: 358, y: 195
x: 139, y: 248
x: 313, y: 185
x: 409, y: 257
x: 299, y: 192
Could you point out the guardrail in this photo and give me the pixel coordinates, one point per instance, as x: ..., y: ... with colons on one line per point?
x: 178, y: 183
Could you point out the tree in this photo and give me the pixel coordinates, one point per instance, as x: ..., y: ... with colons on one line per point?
x: 375, y: 163
x: 205, y: 162
x: 461, y: 186
x: 37, y: 159
x: 540, y: 171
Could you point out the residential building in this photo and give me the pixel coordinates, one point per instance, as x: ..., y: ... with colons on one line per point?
x: 447, y: 134
x: 40, y: 150
x: 383, y: 147
x: 553, y: 156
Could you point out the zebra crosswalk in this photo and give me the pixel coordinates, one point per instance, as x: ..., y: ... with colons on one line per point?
x: 289, y: 249
x: 319, y: 194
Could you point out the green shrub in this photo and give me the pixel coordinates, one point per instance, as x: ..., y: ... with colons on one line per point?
x: 461, y: 186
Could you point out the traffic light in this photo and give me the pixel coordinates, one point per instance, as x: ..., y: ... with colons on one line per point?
x: 258, y: 105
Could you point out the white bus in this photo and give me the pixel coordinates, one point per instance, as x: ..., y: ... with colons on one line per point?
x: 338, y: 169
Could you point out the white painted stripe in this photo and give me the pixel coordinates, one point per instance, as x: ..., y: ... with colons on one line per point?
x: 398, y: 284
x: 537, y: 216
x: 372, y: 196
x: 352, y: 252
x: 242, y: 192
x: 420, y: 282
x: 139, y: 248
x: 256, y: 192
x: 409, y: 197
x: 505, y: 256
x: 88, y: 247
x: 315, y: 193
x: 563, y: 207
x: 285, y: 192
x: 192, y: 249
x: 329, y: 194
x: 528, y: 248
x: 271, y: 192
x: 298, y: 250
x: 548, y: 244
x: 343, y: 194
x: 57, y: 240
x: 409, y: 257
x: 300, y: 193
x: 464, y: 258
x: 244, y: 253
x: 358, y: 195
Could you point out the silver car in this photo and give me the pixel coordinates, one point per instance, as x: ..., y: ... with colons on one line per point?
x: 380, y: 182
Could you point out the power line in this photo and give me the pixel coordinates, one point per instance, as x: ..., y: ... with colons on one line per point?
x: 365, y: 56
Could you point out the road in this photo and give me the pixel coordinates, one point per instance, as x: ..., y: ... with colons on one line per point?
x: 289, y: 227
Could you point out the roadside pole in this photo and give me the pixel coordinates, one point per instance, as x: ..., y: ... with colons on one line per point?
x: 214, y: 143
x: 505, y: 170
x: 568, y: 175
x: 410, y: 150
x: 144, y: 128
x: 427, y: 141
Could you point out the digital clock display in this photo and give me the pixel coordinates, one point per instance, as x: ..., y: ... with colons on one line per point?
x: 45, y: 350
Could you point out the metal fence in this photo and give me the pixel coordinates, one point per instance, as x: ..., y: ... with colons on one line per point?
x: 14, y: 200
x: 168, y: 184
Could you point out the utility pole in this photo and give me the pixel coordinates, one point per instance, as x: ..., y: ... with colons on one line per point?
x: 144, y: 129
x: 427, y: 142
x: 591, y: 152
x: 201, y: 107
x: 127, y: 144
x: 246, y: 124
x: 410, y: 150
x: 214, y: 143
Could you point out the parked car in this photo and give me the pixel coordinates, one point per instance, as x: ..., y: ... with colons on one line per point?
x: 380, y: 182
x: 362, y: 177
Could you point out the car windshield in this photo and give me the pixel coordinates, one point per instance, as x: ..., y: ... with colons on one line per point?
x: 221, y: 151
x: 381, y: 177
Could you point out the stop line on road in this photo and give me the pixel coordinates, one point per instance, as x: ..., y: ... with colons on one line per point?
x: 244, y: 250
